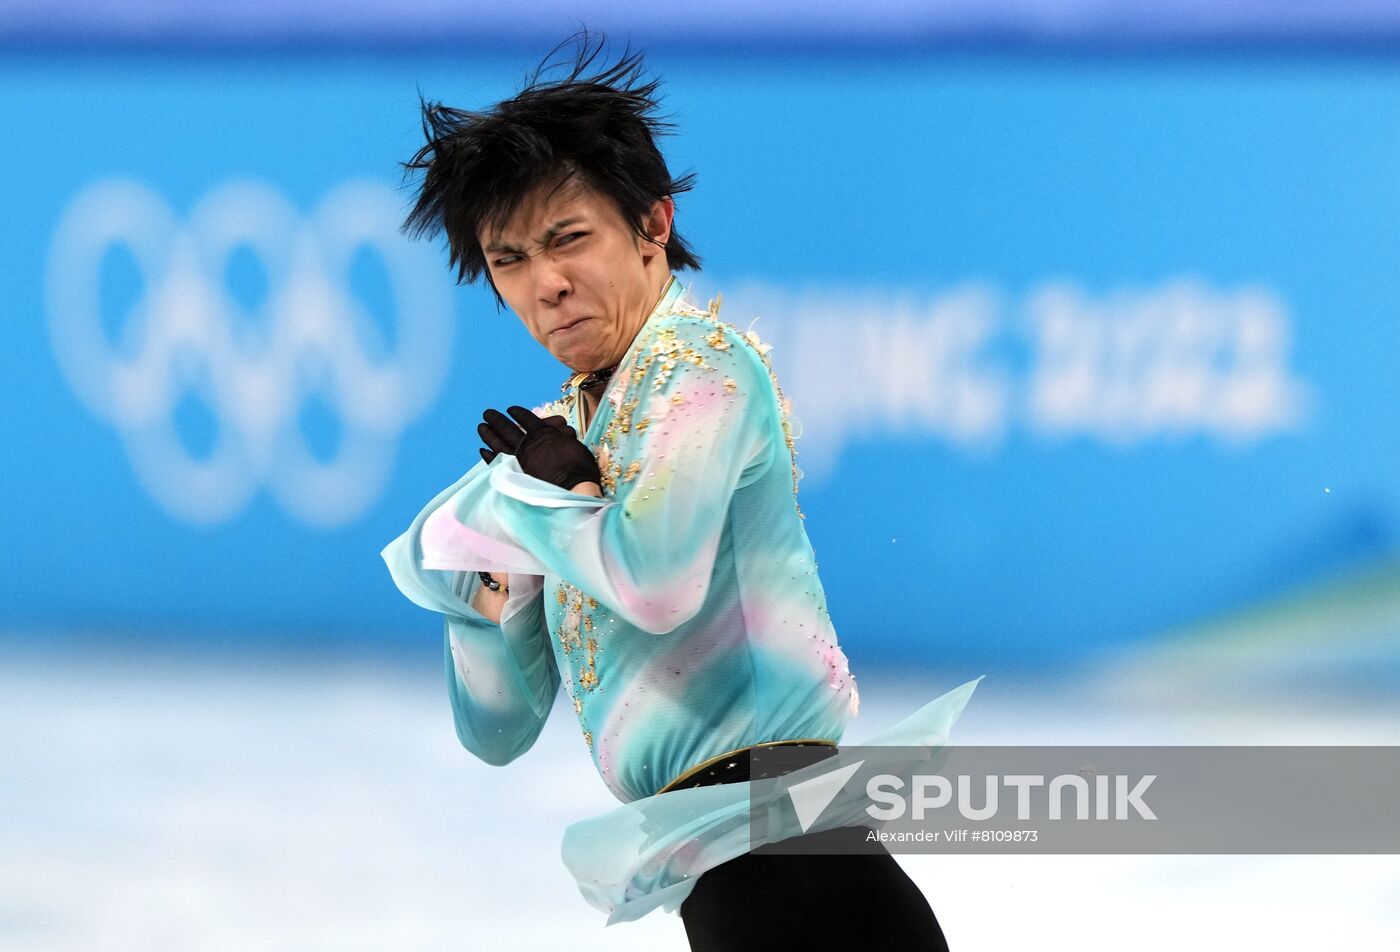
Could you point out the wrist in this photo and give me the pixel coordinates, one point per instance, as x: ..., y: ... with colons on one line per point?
x: 489, y: 604
x: 588, y: 489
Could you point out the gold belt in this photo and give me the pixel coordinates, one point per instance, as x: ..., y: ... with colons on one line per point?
x: 744, y: 752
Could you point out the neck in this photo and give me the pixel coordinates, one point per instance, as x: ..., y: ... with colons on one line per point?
x: 591, y: 399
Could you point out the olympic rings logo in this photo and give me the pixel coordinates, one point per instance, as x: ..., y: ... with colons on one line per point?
x: 185, y: 336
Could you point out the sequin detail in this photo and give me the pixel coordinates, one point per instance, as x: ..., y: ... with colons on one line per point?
x: 668, y: 348
x: 629, y: 407
x: 575, y: 632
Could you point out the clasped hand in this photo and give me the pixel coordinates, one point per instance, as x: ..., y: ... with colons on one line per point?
x: 547, y: 449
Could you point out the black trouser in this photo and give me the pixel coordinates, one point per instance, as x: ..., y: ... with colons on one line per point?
x: 812, y: 902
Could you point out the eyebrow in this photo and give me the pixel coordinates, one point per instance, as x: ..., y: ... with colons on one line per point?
x: 553, y: 230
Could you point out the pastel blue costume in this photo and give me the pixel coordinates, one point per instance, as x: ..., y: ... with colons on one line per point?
x: 682, y: 612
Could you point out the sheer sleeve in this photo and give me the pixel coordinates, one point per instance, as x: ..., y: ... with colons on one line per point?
x: 698, y: 418
x: 502, y: 678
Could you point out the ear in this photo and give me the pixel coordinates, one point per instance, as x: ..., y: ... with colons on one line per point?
x: 657, y: 225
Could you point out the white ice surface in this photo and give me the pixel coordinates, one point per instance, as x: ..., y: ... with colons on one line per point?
x: 161, y: 803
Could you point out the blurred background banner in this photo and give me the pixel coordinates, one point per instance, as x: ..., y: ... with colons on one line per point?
x: 785, y: 22
x: 1086, y: 350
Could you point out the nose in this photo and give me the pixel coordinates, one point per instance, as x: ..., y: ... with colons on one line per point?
x: 551, y: 284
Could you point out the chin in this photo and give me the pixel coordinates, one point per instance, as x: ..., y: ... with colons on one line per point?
x: 577, y: 365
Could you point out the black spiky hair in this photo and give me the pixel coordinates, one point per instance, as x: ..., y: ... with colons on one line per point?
x: 599, y: 128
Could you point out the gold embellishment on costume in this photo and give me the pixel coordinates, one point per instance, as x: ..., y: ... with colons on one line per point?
x: 683, y: 307
x: 549, y: 409
x: 670, y: 346
x: 752, y: 337
x: 719, y: 340
x: 588, y: 739
x: 705, y: 765
x: 581, y: 653
x: 607, y: 469
x: 659, y: 357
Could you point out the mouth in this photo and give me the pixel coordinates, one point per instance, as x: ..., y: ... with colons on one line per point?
x: 568, y: 327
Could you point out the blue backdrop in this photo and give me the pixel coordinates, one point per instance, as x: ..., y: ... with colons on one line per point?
x: 1085, y: 348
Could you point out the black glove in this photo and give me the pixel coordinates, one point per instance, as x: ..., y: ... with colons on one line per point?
x: 489, y: 455
x: 547, y: 449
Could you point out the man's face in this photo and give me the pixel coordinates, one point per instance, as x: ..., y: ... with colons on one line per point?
x: 575, y: 273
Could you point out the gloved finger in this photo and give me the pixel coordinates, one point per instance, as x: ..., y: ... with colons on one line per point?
x: 507, y: 432
x: 487, y: 456
x: 525, y: 417
x: 560, y: 422
x: 494, y: 440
